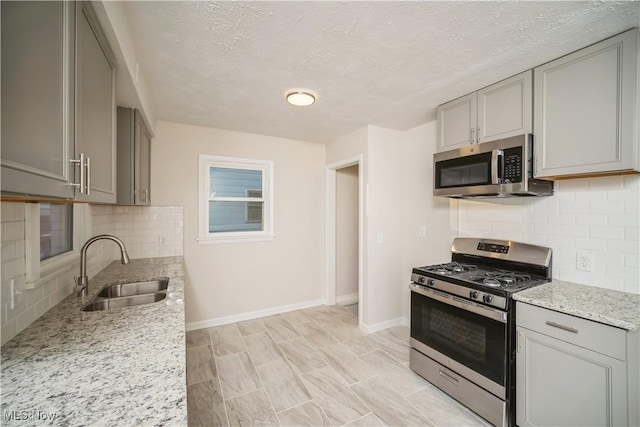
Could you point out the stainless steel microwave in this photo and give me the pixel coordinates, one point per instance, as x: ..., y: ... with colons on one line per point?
x: 501, y: 168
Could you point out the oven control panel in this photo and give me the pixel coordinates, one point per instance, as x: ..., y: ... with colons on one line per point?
x: 422, y: 282
x: 492, y: 247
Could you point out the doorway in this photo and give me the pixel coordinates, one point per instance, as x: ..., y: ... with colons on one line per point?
x: 344, y: 236
x: 347, y: 237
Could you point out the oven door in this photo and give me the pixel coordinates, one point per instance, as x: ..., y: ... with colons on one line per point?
x: 469, y: 338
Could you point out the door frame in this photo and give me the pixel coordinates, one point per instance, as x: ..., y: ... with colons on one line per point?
x: 330, y: 230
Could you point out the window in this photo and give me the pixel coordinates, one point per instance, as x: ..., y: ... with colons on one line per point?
x: 53, y: 233
x: 236, y: 199
x: 56, y: 229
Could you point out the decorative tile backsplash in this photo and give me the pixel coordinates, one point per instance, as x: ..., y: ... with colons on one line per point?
x: 147, y: 231
x: 595, y: 216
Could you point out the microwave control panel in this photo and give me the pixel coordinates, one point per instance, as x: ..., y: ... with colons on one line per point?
x: 512, y: 165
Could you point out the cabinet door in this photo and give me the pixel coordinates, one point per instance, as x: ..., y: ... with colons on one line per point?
x: 457, y: 123
x: 505, y: 109
x: 142, y: 161
x: 37, y: 76
x: 585, y: 109
x: 561, y: 384
x: 95, y: 106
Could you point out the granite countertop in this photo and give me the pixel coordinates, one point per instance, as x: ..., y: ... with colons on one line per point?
x: 116, y: 367
x: 614, y: 308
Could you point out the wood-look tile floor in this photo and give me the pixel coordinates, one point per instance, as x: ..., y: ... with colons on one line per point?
x: 311, y: 367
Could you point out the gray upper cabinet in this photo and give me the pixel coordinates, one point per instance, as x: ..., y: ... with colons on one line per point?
x: 457, y: 122
x: 37, y: 98
x: 95, y: 108
x: 585, y: 110
x: 498, y: 111
x: 134, y: 156
x: 505, y: 109
x: 58, y: 103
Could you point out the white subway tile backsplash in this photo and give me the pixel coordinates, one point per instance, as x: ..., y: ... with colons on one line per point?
x: 142, y: 228
x: 12, y: 231
x: 607, y: 232
x: 624, y: 246
x: 597, y: 215
x: 632, y: 233
x: 591, y: 244
x: 572, y: 185
x: 605, y: 183
x: 591, y: 219
x: 631, y: 286
x: 590, y: 196
x: 609, y: 207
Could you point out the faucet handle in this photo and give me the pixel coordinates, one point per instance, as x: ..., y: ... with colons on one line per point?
x: 81, y: 285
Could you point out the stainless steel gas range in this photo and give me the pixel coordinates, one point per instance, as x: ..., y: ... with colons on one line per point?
x: 463, y: 321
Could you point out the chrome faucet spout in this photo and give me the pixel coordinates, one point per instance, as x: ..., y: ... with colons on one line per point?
x: 83, y: 281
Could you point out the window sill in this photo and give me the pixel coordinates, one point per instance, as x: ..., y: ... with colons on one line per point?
x: 235, y: 239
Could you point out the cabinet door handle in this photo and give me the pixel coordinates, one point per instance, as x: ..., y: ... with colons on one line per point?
x: 563, y: 327
x: 478, y: 134
x: 80, y: 162
x: 88, y: 169
x: 473, y: 135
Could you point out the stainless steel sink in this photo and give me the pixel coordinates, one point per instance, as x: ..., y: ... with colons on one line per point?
x: 134, y: 288
x: 117, y: 302
x: 128, y: 294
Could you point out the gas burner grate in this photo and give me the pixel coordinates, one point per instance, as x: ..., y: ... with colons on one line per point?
x: 500, y: 278
x: 450, y: 268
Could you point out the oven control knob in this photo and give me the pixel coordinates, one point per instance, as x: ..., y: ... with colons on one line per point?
x: 421, y: 280
x: 487, y: 298
x: 473, y: 294
x: 430, y: 282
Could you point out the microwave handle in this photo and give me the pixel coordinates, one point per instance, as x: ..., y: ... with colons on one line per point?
x: 497, y: 167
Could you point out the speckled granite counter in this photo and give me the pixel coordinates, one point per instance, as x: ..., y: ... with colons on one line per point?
x: 114, y: 368
x: 612, y: 308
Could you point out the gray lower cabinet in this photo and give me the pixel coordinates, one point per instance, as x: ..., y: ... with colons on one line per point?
x: 134, y: 156
x: 572, y: 371
x: 58, y: 102
x: 585, y: 110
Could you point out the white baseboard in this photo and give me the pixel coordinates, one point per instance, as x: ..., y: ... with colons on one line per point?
x: 347, y: 299
x: 369, y: 329
x: 252, y: 315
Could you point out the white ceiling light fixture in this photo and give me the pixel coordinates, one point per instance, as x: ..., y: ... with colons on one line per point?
x: 300, y: 97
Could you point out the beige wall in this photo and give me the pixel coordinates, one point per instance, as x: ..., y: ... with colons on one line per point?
x: 347, y: 231
x: 226, y: 280
x: 439, y: 215
x: 398, y: 174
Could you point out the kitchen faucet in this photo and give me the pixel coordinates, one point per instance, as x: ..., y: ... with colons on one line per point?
x: 83, y: 281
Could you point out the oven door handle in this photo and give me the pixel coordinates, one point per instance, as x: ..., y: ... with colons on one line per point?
x: 489, y: 313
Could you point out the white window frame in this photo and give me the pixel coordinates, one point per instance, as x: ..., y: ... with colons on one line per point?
x: 40, y: 272
x: 206, y: 162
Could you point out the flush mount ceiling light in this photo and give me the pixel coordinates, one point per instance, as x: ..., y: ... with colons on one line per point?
x: 300, y: 97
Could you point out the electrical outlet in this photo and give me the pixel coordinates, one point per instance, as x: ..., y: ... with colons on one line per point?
x: 422, y: 231
x: 584, y: 261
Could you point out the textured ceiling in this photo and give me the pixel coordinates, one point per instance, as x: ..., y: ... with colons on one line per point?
x: 228, y: 64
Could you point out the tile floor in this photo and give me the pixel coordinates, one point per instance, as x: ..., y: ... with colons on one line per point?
x: 311, y: 367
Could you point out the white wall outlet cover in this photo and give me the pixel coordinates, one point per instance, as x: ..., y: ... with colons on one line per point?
x: 584, y: 261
